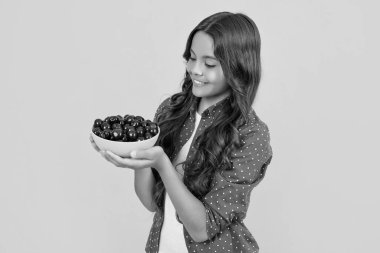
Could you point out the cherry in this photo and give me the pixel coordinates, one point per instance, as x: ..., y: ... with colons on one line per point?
x: 106, y: 134
x: 140, y: 131
x: 98, y: 123
x: 120, y: 118
x: 135, y: 123
x: 153, y: 125
x: 148, y: 135
x: 113, y: 120
x: 139, y: 118
x: 117, y: 134
x: 105, y: 126
x: 132, y: 135
x: 129, y: 119
x: 144, y: 123
x: 106, y: 119
x: 129, y: 128
x: 153, y: 131
x: 116, y: 126
x: 97, y: 131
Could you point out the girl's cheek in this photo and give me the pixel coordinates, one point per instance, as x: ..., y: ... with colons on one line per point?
x: 220, y: 74
x: 213, y: 77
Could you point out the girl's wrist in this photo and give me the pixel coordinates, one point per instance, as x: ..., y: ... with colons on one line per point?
x: 164, y: 164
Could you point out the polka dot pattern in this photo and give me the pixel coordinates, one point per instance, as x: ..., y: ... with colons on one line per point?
x: 227, y: 203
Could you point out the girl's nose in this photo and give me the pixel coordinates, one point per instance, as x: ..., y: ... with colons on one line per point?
x: 194, y: 68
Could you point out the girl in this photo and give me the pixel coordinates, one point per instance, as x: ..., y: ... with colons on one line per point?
x: 213, y: 149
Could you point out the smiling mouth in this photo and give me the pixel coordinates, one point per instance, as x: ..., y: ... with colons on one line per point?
x: 198, y: 83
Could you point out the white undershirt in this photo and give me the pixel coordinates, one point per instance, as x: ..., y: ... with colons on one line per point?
x: 172, y: 239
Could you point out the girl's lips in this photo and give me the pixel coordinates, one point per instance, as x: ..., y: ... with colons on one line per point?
x: 198, y: 82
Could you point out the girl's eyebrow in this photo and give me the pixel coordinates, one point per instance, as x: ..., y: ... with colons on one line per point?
x: 205, y: 56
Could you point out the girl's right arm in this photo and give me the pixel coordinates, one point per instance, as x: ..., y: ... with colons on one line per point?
x: 144, y: 179
x: 144, y: 184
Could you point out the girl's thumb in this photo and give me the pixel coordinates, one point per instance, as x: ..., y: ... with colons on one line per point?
x: 141, y: 154
x: 134, y: 154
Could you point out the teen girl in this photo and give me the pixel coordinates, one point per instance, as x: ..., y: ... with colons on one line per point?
x: 212, y: 150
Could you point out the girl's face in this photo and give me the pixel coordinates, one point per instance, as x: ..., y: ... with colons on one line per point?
x: 205, y: 71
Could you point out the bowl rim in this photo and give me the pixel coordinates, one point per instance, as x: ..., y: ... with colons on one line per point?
x: 125, y: 142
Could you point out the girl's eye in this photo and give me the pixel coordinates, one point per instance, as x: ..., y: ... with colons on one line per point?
x: 207, y: 65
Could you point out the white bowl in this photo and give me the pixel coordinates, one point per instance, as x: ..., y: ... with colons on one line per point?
x: 123, y: 149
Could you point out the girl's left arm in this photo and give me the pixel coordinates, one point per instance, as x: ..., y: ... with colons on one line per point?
x: 190, y: 210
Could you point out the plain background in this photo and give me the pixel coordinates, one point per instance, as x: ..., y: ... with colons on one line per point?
x: 63, y: 64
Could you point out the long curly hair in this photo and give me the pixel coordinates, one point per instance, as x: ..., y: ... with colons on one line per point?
x: 237, y: 47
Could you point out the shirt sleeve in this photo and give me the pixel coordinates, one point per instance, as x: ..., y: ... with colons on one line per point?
x: 229, y: 197
x: 161, y: 108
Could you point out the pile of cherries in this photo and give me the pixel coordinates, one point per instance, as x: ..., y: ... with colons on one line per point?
x: 129, y: 128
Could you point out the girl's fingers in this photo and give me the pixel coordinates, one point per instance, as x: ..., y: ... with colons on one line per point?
x: 149, y: 153
x: 109, y: 158
x: 94, y: 144
x: 103, y: 153
x: 129, y: 163
x: 140, y: 154
x: 113, y: 156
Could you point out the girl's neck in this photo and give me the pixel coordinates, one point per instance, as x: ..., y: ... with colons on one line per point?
x: 206, y: 102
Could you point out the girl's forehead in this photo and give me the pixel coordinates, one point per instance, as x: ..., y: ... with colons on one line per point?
x: 202, y: 44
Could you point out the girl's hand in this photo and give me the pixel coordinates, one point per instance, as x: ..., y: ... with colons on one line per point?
x: 154, y: 157
x: 94, y: 144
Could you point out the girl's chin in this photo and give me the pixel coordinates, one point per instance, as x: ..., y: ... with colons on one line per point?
x: 199, y: 91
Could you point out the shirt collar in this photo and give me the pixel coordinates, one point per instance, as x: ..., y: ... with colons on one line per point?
x: 210, y: 111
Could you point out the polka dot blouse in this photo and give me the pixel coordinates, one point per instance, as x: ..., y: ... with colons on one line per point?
x: 227, y: 202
